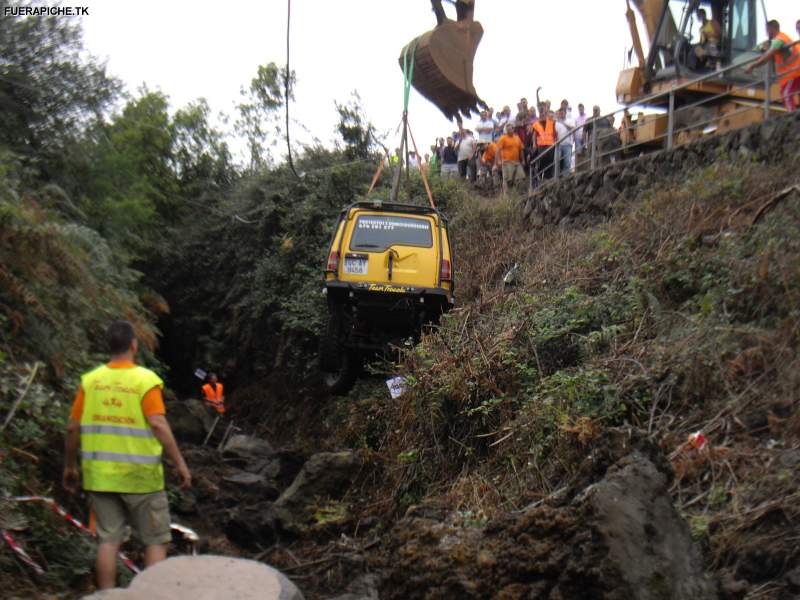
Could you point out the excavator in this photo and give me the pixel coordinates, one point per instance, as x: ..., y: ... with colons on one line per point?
x: 673, y: 28
x: 443, y: 59
x: 443, y: 62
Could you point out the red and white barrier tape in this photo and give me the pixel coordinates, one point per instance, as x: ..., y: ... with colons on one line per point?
x: 187, y: 533
x: 23, y: 556
x: 59, y: 510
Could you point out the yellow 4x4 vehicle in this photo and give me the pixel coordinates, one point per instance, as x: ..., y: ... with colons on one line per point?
x: 389, y: 272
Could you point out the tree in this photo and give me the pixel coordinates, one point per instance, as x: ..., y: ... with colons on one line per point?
x: 357, y: 132
x: 49, y: 89
x: 131, y: 190
x: 201, y: 156
x: 258, y: 113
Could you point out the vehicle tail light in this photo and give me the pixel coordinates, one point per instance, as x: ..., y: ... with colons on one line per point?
x: 445, y: 271
x: 333, y: 262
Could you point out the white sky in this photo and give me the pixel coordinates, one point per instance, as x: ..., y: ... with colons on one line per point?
x: 574, y: 49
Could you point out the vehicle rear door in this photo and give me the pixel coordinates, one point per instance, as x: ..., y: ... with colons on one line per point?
x: 392, y: 248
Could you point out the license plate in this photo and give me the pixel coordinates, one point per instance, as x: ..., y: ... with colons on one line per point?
x: 355, y: 266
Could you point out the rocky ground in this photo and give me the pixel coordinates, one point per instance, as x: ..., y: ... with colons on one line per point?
x: 620, y: 423
x: 612, y: 533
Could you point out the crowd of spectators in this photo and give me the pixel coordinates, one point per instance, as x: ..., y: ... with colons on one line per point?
x: 538, y: 142
x: 505, y: 149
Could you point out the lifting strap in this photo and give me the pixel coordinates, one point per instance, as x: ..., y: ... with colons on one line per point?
x: 422, y: 171
x: 408, y: 77
x: 408, y: 74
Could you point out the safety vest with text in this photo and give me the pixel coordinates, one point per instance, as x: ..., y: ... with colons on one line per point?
x: 545, y: 136
x: 787, y: 60
x: 214, y: 397
x: 119, y: 452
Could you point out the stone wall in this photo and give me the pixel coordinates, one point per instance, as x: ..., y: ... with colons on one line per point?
x: 589, y: 197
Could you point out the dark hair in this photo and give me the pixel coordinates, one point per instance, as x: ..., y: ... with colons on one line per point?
x: 119, y: 336
x: 774, y: 24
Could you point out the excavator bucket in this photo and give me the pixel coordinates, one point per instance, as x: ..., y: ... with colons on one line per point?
x: 443, y: 66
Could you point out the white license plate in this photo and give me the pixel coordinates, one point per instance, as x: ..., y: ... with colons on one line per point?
x: 355, y: 266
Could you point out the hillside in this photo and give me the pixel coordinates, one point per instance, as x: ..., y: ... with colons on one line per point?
x: 675, y: 316
x: 618, y: 420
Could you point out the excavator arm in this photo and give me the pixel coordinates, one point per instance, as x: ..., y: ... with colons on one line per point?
x: 465, y: 10
x: 443, y: 60
x: 651, y: 14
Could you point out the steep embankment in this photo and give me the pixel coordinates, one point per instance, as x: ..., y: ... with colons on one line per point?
x: 675, y: 312
x: 542, y: 446
x: 60, y: 285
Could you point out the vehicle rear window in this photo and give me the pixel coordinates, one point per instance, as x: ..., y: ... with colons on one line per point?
x: 377, y: 233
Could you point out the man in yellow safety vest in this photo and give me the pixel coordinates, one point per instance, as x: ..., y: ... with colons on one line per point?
x: 118, y: 421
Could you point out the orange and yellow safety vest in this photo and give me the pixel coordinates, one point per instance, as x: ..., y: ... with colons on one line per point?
x: 545, y: 136
x: 787, y: 67
x: 214, y: 397
x: 119, y: 452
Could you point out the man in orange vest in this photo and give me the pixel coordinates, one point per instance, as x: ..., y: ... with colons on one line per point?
x: 544, y: 136
x: 213, y: 394
x: 787, y: 64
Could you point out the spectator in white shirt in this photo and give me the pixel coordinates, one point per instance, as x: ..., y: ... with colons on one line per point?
x: 580, y: 121
x: 503, y: 121
x: 467, y: 146
x: 485, y: 130
x: 564, y: 139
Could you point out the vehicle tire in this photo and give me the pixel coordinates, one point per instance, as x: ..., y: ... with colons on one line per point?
x: 339, y: 364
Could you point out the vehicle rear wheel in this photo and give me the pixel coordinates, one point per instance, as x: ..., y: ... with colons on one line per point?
x: 339, y: 364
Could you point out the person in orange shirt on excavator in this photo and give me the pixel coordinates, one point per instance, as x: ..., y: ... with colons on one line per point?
x: 213, y: 394
x: 787, y: 64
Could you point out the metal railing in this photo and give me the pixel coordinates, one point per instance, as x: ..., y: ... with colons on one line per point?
x: 604, y: 143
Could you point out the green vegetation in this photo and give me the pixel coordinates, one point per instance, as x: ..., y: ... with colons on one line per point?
x: 679, y: 314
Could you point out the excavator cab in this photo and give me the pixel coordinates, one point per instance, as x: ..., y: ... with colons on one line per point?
x: 443, y: 59
x: 678, y: 50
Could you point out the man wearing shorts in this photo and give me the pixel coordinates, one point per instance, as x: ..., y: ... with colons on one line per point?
x: 509, y: 149
x: 118, y: 421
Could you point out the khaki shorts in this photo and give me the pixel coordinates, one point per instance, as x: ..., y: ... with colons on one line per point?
x: 147, y: 514
x: 512, y: 171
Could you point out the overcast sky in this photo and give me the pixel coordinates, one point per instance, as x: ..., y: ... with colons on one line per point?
x: 573, y: 49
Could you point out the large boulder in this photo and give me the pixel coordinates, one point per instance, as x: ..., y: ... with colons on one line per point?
x: 647, y: 541
x: 251, y: 483
x: 206, y: 577
x: 618, y: 539
x: 325, y: 475
x: 247, y: 447
x: 189, y: 420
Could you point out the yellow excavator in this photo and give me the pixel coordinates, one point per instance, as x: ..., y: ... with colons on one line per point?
x: 443, y: 59
x: 677, y: 55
